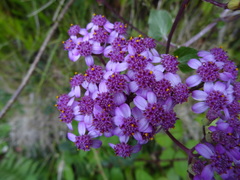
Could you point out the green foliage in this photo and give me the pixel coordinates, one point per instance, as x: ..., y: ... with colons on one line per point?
x: 160, y: 22
x: 184, y: 54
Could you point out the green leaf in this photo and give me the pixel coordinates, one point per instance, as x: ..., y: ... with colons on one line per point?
x: 180, y: 167
x: 167, y: 154
x: 184, y: 54
x: 172, y: 175
x: 163, y: 140
x: 160, y: 23
x: 142, y: 175
x: 116, y: 174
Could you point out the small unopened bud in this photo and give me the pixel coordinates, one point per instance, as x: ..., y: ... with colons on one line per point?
x: 234, y: 4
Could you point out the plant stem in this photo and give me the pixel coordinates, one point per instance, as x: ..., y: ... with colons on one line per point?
x: 99, y: 165
x: 221, y: 5
x: 176, y: 21
x: 179, y: 144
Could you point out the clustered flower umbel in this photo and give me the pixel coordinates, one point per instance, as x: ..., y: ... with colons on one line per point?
x: 220, y: 150
x: 134, y: 94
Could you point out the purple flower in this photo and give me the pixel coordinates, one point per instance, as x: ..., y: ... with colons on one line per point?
x: 219, y: 160
x: 215, y: 96
x: 100, y: 21
x: 74, y: 30
x: 169, y: 63
x: 84, y: 141
x: 130, y: 123
x: 125, y: 150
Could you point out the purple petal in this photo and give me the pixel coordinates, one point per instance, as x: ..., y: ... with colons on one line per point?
x: 107, y: 50
x: 125, y: 109
x: 81, y: 128
x: 151, y: 97
x: 72, y: 56
x: 155, y: 52
x: 89, y: 60
x: 77, y: 91
x: 97, y: 49
x: 108, y: 25
x: 102, y: 87
x: 119, y: 98
x: 158, y: 75
x: 199, y: 107
x: 96, y: 143
x: 140, y: 102
x: 118, y: 120
x: 71, y: 137
x: 123, y: 139
x: 219, y: 86
x: 208, y: 87
x: 131, y: 50
x: 193, y: 80
x: 199, y: 95
x: 173, y: 78
x: 207, y: 173
x: 117, y: 131
x: 143, y: 124
x: 70, y: 102
x: 111, y: 145
x: 88, y: 119
x: 108, y: 73
x: 137, y: 113
x: 133, y: 86
x: 203, y: 53
x: 204, y: 150
x: 225, y: 76
x: 69, y: 125
x: 136, y: 148
x: 156, y: 59
x: 137, y: 136
x: 194, y: 63
x: 92, y: 87
x: 112, y: 36
x: 121, y: 67
x: 79, y: 118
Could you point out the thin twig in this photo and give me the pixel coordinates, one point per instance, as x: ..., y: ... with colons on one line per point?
x: 221, y: 5
x: 200, y: 34
x: 223, y: 17
x: 176, y: 21
x: 36, y: 60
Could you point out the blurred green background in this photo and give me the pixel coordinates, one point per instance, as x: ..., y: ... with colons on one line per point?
x: 33, y: 142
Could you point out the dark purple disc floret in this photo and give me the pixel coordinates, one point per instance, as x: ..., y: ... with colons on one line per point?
x: 69, y: 45
x: 137, y: 62
x: 86, y: 105
x: 209, y: 72
x: 99, y: 20
x: 103, y: 122
x: 120, y: 27
x: 74, y: 30
x: 170, y: 63
x: 100, y: 35
x: 84, y: 142
x: 77, y: 80
x: 94, y: 74
x: 123, y: 150
x: 116, y: 83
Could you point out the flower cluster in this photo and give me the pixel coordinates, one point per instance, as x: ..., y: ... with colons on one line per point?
x: 132, y: 96
x: 220, y: 98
